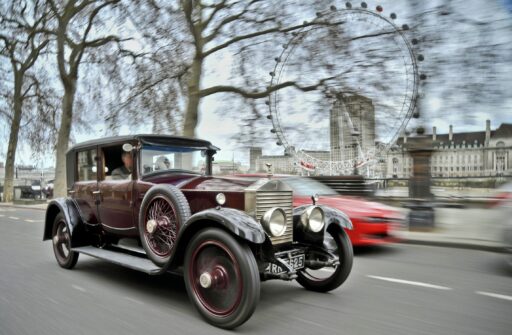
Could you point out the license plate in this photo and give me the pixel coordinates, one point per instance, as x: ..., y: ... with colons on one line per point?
x: 296, y: 262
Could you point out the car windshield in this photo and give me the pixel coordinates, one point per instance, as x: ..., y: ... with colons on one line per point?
x: 163, y: 158
x: 308, y: 187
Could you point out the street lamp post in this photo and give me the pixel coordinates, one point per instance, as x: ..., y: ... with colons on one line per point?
x: 421, y: 216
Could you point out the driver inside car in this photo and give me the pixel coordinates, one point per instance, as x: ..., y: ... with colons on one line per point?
x: 124, y: 172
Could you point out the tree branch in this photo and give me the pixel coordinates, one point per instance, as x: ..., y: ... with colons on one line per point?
x: 262, y: 94
x: 227, y: 20
x: 276, y: 29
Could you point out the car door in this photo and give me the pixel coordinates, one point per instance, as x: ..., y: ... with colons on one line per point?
x: 115, y: 208
x: 85, y: 188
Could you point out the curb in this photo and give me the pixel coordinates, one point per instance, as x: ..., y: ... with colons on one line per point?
x: 23, y: 207
x: 455, y: 244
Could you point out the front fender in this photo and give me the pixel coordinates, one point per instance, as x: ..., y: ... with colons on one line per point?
x: 68, y: 208
x: 336, y: 217
x: 236, y: 221
x: 233, y: 220
x: 332, y: 217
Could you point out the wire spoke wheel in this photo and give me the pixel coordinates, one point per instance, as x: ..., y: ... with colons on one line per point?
x: 161, y: 228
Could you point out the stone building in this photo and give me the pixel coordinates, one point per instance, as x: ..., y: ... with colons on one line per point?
x: 465, y: 154
x: 352, y: 122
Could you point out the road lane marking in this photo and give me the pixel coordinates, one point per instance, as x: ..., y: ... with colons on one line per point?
x: 28, y: 220
x: 134, y: 300
x: 495, y: 295
x: 408, y: 282
x: 79, y: 288
x: 1, y: 215
x: 13, y: 218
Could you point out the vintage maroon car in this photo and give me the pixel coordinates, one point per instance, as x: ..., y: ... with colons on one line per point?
x: 373, y: 223
x: 150, y: 203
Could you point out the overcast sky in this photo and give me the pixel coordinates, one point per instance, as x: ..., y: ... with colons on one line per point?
x: 219, y: 129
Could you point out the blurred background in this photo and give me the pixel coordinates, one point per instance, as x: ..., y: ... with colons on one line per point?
x: 399, y: 113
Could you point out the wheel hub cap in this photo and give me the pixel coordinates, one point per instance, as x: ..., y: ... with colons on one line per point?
x: 205, y: 280
x: 151, y: 226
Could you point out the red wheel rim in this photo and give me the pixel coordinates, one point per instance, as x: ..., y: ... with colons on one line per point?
x: 162, y: 239
x: 224, y: 294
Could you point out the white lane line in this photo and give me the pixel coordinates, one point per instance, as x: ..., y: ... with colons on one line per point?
x: 1, y: 215
x: 495, y: 295
x: 408, y: 282
x: 13, y: 218
x: 134, y: 300
x: 52, y: 300
x: 79, y: 288
x: 28, y: 220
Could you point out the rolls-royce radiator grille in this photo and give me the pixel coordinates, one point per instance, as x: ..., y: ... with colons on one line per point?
x: 265, y: 200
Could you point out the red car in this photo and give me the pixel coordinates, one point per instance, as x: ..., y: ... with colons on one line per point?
x: 373, y: 222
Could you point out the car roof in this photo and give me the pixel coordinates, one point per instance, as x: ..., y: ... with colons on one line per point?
x: 148, y: 139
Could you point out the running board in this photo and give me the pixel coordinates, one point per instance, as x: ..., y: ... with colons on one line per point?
x: 120, y: 258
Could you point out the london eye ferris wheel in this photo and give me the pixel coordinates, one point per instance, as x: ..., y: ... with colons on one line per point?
x: 364, y: 71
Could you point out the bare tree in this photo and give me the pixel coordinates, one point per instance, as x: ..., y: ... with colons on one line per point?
x: 78, y: 29
x: 183, y: 41
x: 468, y: 54
x: 22, y: 44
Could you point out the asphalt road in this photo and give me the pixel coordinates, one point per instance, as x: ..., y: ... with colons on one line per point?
x: 398, y: 289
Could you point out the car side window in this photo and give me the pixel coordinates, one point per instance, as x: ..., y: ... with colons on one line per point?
x: 86, y: 163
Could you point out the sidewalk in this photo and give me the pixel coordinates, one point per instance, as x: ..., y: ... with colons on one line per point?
x: 41, y: 207
x: 469, y: 228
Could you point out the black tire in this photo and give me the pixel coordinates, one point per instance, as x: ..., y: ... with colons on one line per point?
x: 61, y: 241
x: 312, y: 281
x: 234, y: 289
x: 174, y: 212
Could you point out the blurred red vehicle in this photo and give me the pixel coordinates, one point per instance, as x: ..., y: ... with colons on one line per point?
x: 374, y: 223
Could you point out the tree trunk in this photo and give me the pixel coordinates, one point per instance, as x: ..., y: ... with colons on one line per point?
x: 13, y: 139
x: 194, y: 87
x: 60, y: 188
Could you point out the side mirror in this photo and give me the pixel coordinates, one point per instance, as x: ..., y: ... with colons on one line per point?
x: 127, y: 147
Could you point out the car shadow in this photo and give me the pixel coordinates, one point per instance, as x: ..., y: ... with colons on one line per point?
x: 163, y: 287
x: 170, y: 288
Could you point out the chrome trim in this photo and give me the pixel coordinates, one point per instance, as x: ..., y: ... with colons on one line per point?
x: 306, y: 216
x: 266, y: 221
x: 265, y: 194
x: 113, y: 228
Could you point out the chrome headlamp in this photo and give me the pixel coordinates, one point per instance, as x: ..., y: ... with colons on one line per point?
x: 274, y: 222
x: 313, y: 219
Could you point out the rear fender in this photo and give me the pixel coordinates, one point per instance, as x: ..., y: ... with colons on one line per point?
x: 74, y: 222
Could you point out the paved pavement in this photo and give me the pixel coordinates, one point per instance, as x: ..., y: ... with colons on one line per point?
x: 396, y: 289
x: 470, y: 228
x: 473, y: 228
